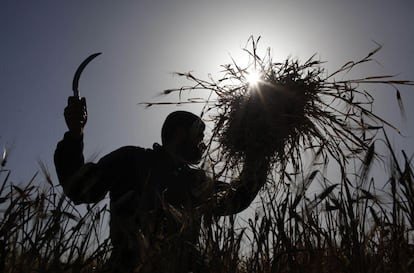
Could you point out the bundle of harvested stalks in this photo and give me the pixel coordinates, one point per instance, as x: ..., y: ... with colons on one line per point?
x: 264, y: 115
x: 292, y: 107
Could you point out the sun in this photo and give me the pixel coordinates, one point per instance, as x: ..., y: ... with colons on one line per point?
x: 253, y: 77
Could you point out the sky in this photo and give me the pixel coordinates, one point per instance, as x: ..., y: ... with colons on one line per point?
x: 144, y: 42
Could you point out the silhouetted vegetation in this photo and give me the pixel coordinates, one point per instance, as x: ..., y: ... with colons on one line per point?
x: 351, y: 225
x: 322, y: 210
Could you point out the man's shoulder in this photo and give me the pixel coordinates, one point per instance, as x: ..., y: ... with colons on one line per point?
x: 128, y: 156
x: 135, y: 151
x: 139, y: 155
x: 132, y: 149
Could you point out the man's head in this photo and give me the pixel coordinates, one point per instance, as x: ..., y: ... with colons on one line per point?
x: 183, y: 133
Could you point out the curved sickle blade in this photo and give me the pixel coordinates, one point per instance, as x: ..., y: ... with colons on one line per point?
x: 79, y: 71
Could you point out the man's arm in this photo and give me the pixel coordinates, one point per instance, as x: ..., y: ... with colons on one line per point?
x: 79, y: 180
x: 68, y: 157
x: 85, y: 183
x: 89, y: 182
x: 238, y: 195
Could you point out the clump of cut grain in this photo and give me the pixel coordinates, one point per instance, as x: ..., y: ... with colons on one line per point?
x: 294, y: 107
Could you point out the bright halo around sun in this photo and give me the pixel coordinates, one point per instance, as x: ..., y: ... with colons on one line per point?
x: 253, y: 77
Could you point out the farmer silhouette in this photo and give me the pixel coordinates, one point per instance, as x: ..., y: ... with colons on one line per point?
x: 156, y: 195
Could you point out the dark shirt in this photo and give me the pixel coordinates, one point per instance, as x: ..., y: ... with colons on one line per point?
x: 152, y: 197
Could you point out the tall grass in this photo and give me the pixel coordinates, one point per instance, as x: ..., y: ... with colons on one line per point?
x: 353, y: 224
x: 41, y: 232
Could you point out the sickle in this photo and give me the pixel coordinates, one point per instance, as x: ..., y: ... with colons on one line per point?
x: 79, y: 71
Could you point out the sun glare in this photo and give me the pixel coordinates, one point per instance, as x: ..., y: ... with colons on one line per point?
x: 253, y: 77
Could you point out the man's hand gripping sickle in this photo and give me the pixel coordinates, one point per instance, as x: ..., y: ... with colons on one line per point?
x: 75, y: 112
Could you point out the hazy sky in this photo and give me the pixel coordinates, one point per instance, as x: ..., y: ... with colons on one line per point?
x: 143, y: 42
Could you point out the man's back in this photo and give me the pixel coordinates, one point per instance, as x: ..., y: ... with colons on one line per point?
x: 158, y: 214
